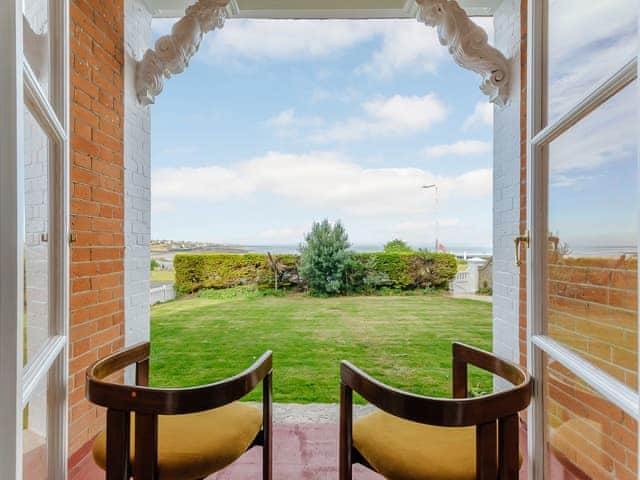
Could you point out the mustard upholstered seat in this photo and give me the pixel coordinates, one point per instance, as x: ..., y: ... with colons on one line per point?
x: 403, y: 450
x: 413, y: 437
x: 193, y: 446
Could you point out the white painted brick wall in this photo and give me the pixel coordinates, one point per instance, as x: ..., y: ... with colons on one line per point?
x: 137, y: 179
x: 506, y: 189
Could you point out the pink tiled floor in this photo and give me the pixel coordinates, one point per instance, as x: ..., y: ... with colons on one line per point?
x: 301, y: 452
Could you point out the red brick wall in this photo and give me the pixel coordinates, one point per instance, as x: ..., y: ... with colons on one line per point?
x: 97, y: 200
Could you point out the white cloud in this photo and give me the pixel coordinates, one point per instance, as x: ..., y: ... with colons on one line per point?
x: 387, y: 116
x: 578, y: 62
x: 282, y: 119
x: 415, y: 227
x: 605, y: 136
x: 284, y: 39
x: 404, y: 43
x: 463, y: 147
x: 482, y: 116
x: 323, y: 179
x: 288, y: 124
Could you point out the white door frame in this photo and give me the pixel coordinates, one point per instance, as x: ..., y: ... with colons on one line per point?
x: 538, y: 344
x: 19, y: 89
x: 11, y: 145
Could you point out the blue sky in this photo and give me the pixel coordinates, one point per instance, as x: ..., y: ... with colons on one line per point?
x: 276, y: 124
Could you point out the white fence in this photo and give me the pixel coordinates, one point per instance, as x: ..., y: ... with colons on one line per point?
x: 161, y: 294
x: 467, y: 281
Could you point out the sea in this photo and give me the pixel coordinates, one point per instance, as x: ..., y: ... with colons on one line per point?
x: 461, y: 251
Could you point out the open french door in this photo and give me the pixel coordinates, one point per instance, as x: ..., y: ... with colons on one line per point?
x: 583, y: 113
x: 34, y: 178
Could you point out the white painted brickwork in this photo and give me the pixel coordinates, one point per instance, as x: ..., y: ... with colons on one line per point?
x: 506, y: 189
x: 137, y: 179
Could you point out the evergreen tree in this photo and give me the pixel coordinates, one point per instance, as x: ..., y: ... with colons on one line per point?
x: 324, y: 257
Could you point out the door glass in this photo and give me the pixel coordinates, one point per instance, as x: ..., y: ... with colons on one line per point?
x: 36, y: 241
x: 587, y: 42
x: 586, y: 436
x: 34, y: 435
x: 592, y: 289
x: 36, y: 41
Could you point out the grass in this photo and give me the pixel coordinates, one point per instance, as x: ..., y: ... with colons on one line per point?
x: 402, y: 340
x: 163, y: 275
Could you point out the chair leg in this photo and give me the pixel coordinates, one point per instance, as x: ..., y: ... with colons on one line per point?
x: 346, y: 430
x: 117, y: 445
x: 267, y: 424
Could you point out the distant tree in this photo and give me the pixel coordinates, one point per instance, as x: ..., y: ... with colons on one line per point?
x: 154, y: 264
x: 397, y: 246
x: 324, y: 257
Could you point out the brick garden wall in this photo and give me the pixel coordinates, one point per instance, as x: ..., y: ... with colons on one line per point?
x: 97, y: 266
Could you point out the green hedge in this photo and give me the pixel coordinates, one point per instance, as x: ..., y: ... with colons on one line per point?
x: 225, y: 270
x: 408, y: 271
x: 403, y: 271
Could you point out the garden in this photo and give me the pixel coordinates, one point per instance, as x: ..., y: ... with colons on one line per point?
x: 387, y: 312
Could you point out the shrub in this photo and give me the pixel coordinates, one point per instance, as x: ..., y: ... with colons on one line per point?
x: 361, y: 272
x: 397, y: 246
x: 407, y: 271
x: 154, y: 264
x: 226, y: 270
x: 324, y: 258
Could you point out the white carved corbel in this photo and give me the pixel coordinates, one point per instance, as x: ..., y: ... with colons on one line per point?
x: 172, y: 52
x: 469, y: 45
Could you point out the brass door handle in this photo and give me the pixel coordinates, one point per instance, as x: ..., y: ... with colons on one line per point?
x: 517, y: 241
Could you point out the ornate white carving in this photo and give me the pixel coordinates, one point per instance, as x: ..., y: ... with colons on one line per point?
x: 172, y: 52
x: 469, y: 45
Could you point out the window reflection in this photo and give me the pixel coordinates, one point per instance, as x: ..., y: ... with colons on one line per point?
x: 576, y: 62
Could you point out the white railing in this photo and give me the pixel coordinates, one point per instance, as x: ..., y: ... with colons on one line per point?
x: 466, y: 281
x: 161, y: 294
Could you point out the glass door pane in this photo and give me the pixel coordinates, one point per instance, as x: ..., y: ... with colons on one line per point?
x: 584, y: 432
x: 36, y: 40
x: 587, y: 41
x: 35, y: 461
x: 36, y: 237
x: 592, y: 263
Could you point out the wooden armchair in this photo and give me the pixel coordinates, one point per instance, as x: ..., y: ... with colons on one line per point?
x: 414, y: 437
x: 177, y: 433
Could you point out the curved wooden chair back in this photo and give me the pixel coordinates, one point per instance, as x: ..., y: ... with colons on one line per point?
x: 148, y: 402
x: 495, y: 415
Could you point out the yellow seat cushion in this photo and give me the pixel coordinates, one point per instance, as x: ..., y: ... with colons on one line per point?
x: 403, y: 450
x: 195, y: 445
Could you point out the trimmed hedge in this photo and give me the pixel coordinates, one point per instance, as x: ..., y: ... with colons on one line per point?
x: 408, y: 271
x: 226, y: 270
x: 402, y: 271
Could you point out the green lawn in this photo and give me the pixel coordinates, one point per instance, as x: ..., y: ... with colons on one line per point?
x: 402, y: 340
